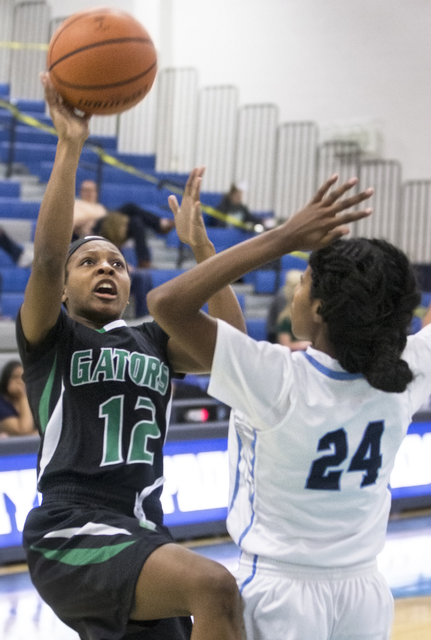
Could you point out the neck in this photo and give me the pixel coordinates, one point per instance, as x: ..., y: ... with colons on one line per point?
x: 92, y: 323
x: 321, y: 341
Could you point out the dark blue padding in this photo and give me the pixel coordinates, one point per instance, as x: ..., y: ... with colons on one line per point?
x: 5, y: 259
x: 17, y: 209
x: 223, y: 238
x: 30, y: 105
x: 211, y: 199
x: 172, y: 240
x: 159, y: 276
x: 9, y: 189
x: 264, y: 281
x: 293, y: 262
x: 10, y: 304
x: 14, y: 279
x: 144, y: 162
x: 130, y: 255
x: 426, y: 298
x: 256, y: 328
x: 30, y: 153
x: 114, y: 195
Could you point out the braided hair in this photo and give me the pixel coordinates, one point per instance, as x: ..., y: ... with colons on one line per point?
x: 369, y: 292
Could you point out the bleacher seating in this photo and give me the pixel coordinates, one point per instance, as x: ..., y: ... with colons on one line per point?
x: 36, y: 149
x: 14, y: 279
x: 16, y: 208
x: 113, y: 195
x: 256, y: 328
x: 10, y: 304
x: 9, y: 189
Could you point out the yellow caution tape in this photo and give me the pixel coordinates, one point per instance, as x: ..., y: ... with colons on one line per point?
x: 38, y: 46
x: 122, y: 166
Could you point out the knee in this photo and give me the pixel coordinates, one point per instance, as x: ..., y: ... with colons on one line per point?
x: 221, y: 588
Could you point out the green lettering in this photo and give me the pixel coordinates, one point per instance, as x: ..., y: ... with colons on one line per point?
x: 80, y: 367
x: 121, y: 355
x: 137, y: 363
x: 104, y: 366
x: 151, y: 373
x: 163, y: 379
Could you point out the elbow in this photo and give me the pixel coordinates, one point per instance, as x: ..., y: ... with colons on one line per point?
x: 159, y: 304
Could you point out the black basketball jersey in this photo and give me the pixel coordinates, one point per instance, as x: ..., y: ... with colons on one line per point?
x: 100, y: 399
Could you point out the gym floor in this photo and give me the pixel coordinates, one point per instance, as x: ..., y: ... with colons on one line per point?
x: 405, y: 562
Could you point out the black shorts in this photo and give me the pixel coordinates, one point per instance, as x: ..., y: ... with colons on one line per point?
x: 85, y: 561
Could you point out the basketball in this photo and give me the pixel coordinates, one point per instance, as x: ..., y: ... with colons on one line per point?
x: 102, y: 61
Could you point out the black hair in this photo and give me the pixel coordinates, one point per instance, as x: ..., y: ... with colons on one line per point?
x: 80, y: 241
x: 6, y: 375
x: 369, y: 293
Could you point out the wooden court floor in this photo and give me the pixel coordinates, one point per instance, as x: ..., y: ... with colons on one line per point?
x: 405, y: 562
x: 412, y: 619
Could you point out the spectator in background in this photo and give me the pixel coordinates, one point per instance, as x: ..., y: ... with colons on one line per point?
x: 232, y: 205
x: 15, y: 414
x: 278, y: 322
x: 21, y: 254
x: 129, y: 221
x: 284, y: 333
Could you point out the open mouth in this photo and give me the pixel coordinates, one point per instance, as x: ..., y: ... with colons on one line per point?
x: 106, y: 289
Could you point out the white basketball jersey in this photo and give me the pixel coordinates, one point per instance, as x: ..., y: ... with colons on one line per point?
x: 311, y: 448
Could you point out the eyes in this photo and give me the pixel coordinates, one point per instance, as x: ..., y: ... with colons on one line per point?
x: 118, y: 264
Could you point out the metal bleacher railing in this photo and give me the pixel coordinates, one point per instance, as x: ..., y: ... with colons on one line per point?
x: 180, y: 125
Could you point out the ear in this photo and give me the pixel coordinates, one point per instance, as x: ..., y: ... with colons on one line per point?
x: 316, y: 306
x: 64, y: 296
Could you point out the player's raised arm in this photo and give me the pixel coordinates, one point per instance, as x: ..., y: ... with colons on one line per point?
x: 44, y: 290
x: 191, y: 230
x: 175, y: 305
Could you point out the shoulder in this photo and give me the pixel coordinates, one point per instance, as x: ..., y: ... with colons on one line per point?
x: 233, y: 345
x: 52, y: 338
x: 418, y: 349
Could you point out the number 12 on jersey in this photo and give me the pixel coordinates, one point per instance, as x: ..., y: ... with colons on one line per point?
x: 367, y: 458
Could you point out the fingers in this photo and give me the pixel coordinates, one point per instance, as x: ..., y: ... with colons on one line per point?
x: 354, y: 216
x: 194, y: 181
x: 51, y: 95
x: 335, y: 195
x: 324, y: 188
x: 173, y: 204
x: 352, y: 201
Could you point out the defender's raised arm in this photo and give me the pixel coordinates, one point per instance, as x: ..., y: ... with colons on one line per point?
x: 175, y: 305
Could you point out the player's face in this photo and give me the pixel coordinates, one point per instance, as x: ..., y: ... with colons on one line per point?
x: 97, y: 285
x: 305, y: 322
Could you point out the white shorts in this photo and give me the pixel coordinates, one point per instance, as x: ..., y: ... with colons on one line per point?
x: 291, y: 602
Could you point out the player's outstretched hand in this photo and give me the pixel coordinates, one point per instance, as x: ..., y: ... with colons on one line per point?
x: 67, y: 123
x: 188, y: 217
x: 324, y: 218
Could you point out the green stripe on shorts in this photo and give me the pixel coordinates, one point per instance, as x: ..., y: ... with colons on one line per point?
x: 82, y: 557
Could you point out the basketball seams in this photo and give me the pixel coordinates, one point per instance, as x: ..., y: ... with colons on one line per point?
x: 102, y: 61
x: 73, y: 19
x: 94, y: 45
x: 94, y: 87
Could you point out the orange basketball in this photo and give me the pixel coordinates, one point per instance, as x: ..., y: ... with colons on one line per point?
x: 102, y: 61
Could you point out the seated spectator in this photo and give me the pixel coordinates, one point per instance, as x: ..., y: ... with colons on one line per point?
x: 21, y: 254
x: 15, y: 414
x: 279, y: 319
x: 233, y: 205
x: 129, y: 221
